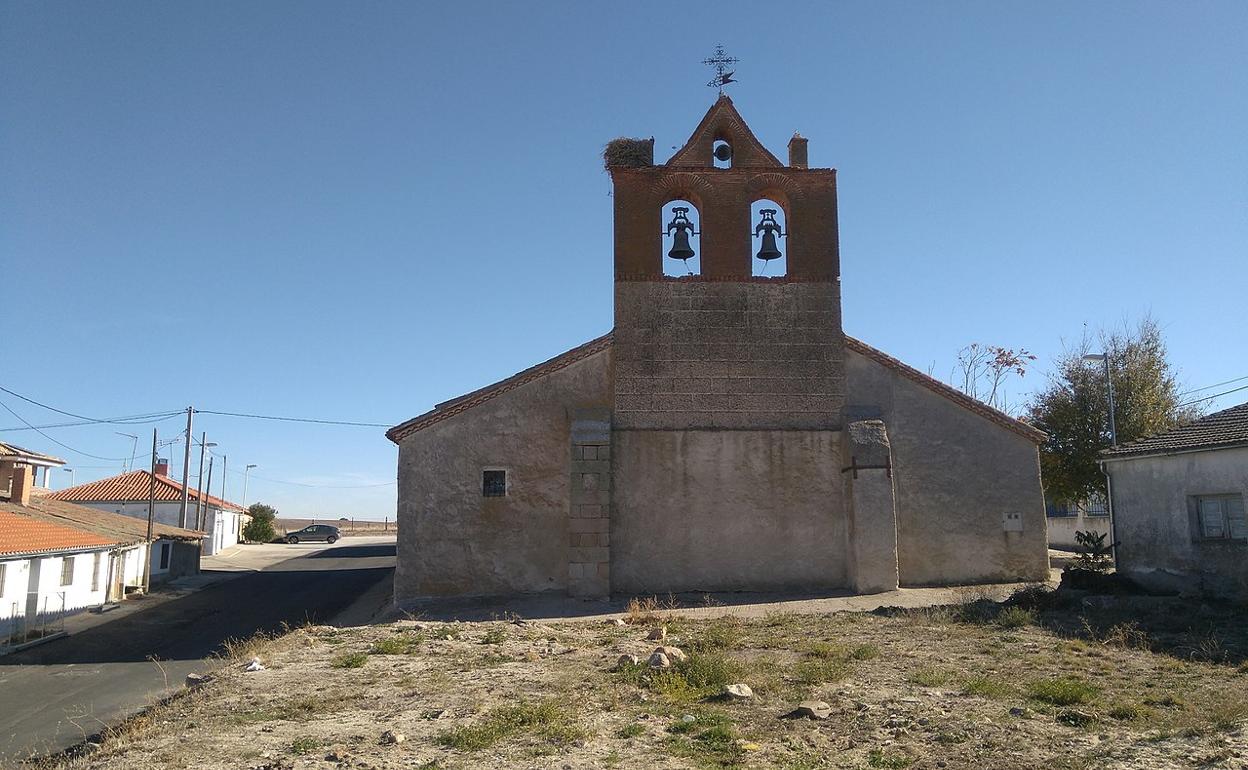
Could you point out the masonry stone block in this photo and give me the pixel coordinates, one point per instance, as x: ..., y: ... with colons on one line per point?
x: 872, y: 514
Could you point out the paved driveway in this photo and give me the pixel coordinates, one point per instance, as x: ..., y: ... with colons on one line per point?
x: 54, y: 695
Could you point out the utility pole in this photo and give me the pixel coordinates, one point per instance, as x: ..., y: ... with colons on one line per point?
x: 151, y: 517
x: 186, y: 465
x: 199, y: 488
x: 207, y: 509
x: 225, y: 466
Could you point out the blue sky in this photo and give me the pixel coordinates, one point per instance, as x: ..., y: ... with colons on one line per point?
x: 355, y: 210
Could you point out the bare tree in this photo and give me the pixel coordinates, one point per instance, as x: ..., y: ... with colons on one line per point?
x: 983, y: 370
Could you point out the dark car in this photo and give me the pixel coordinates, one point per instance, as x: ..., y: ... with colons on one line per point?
x: 314, y: 533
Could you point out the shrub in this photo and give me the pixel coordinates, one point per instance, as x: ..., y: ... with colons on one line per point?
x: 986, y: 687
x: 888, y: 759
x: 260, y: 528
x: 1015, y: 617
x: 929, y: 677
x: 400, y: 644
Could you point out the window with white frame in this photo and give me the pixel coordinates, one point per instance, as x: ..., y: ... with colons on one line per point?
x: 67, y: 571
x: 1221, y: 517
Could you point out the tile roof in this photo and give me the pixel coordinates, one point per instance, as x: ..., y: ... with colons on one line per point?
x: 953, y: 394
x: 1226, y: 428
x: 23, y: 535
x: 469, y: 400
x: 106, y: 523
x: 134, y: 486
x: 463, y: 403
x: 14, y: 451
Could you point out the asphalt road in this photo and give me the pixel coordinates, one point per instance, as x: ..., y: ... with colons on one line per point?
x: 56, y: 694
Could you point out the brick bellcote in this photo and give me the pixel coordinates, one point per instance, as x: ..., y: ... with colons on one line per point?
x: 726, y: 349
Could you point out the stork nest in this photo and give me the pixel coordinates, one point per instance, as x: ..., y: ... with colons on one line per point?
x: 631, y: 153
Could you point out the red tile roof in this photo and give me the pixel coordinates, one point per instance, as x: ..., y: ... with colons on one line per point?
x: 463, y: 403
x: 23, y: 535
x: 135, y: 486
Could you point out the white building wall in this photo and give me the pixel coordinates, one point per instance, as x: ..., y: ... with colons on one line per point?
x: 221, y: 532
x: 87, y: 585
x: 13, y: 595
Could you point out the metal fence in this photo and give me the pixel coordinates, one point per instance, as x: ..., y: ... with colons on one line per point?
x: 20, y: 627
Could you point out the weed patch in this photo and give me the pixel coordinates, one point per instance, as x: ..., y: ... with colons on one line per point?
x: 545, y: 720
x: 350, y: 660
x: 1062, y: 691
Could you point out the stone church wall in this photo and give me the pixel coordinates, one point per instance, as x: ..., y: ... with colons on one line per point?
x: 726, y: 510
x: 455, y: 542
x: 956, y: 474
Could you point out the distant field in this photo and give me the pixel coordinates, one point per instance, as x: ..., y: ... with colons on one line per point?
x: 348, y: 527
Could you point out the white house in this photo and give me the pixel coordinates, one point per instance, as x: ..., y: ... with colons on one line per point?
x: 128, y: 494
x: 1178, y: 502
x: 57, y: 558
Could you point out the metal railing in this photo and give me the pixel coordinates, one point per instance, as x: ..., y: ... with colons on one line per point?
x: 49, y: 619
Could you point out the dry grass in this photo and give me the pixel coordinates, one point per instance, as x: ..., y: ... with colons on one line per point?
x: 969, y: 686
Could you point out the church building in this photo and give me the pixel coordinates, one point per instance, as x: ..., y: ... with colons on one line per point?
x: 726, y: 435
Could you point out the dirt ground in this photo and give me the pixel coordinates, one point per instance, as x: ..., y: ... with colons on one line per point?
x: 1047, y: 680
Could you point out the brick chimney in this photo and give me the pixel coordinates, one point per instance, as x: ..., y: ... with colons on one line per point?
x: 23, y: 480
x: 162, y: 466
x: 797, y: 151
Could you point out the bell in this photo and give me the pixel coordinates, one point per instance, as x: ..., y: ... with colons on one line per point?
x: 769, y: 250
x: 680, y: 245
x: 679, y: 228
x: 768, y: 228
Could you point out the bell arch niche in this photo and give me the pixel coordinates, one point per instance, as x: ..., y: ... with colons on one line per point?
x: 682, y: 238
x: 769, y: 236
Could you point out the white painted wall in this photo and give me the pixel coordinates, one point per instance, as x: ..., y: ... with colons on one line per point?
x: 13, y: 595
x: 1062, y: 529
x: 224, y: 528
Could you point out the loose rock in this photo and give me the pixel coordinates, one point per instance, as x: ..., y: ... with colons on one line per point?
x: 659, y: 660
x: 627, y: 660
x: 657, y: 634
x: 195, y: 680
x: 811, y: 709
x: 674, y: 654
x: 739, y: 691
x: 390, y: 738
x: 338, y: 753
x: 254, y: 665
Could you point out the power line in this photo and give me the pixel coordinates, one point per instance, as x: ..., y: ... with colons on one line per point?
x: 1214, y: 385
x: 1211, y: 397
x: 71, y: 414
x: 296, y: 419
x: 137, y: 419
x: 58, y: 443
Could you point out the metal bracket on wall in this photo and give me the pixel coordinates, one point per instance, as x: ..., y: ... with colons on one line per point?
x: 855, y: 467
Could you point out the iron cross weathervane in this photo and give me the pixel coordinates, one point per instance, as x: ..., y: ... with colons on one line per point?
x: 721, y: 63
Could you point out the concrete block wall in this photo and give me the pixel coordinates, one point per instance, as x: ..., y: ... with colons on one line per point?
x: 589, y: 523
x: 726, y: 354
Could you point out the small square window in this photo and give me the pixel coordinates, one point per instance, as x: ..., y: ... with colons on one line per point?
x: 494, y: 483
x: 1221, y: 517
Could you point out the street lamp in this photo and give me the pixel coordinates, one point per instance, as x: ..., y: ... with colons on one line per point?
x: 70, y: 471
x: 245, y: 472
x: 199, y: 491
x: 1113, y: 441
x: 1109, y: 384
x: 134, y: 446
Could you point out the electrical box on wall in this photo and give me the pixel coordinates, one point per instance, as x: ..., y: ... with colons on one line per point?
x: 1012, y: 521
